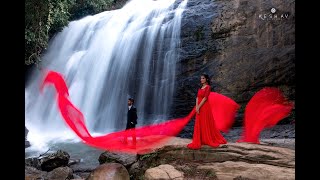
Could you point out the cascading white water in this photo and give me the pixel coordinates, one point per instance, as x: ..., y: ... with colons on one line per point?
x: 105, y: 59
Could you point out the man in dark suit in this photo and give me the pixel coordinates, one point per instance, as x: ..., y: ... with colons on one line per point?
x: 131, y: 120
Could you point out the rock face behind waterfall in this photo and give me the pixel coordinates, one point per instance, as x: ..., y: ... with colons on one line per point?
x: 242, y: 45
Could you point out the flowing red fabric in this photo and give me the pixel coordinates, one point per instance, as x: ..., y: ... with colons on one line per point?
x: 215, y: 115
x: 56, y: 79
x: 147, y: 137
x: 223, y: 111
x: 264, y: 110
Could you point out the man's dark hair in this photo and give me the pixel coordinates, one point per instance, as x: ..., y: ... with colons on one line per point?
x: 132, y: 100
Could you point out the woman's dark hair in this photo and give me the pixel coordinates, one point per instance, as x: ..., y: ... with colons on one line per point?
x: 207, y: 78
x: 132, y: 100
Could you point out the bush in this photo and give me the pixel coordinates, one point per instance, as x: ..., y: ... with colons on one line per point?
x: 45, y: 18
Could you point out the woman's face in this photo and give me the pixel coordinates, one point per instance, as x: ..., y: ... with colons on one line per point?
x: 203, y: 80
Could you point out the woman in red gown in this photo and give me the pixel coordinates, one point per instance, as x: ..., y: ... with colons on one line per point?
x: 205, y: 131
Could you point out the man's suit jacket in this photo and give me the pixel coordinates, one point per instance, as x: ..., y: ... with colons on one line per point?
x: 132, y: 117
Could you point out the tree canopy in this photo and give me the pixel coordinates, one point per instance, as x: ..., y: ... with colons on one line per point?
x: 46, y: 17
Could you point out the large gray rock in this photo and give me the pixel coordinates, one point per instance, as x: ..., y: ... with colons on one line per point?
x: 122, y: 158
x: 61, y: 173
x: 54, y: 160
x: 26, y: 131
x: 26, y: 142
x: 263, y: 154
x: 32, y: 173
x: 109, y: 171
x: 242, y: 161
x: 33, y: 162
x: 241, y: 51
x: 229, y: 170
x: 163, y: 172
x: 50, y: 161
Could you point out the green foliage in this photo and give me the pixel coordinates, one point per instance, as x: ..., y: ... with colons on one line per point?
x: 84, y: 7
x: 46, y: 17
x: 42, y: 19
x: 58, y: 15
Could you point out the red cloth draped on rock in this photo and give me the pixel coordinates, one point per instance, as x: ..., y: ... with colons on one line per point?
x: 148, y: 137
x: 264, y: 110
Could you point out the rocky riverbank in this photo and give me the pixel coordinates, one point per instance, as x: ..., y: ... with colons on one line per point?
x: 274, y: 158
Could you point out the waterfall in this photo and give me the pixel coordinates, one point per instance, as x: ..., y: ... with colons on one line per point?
x: 105, y: 59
